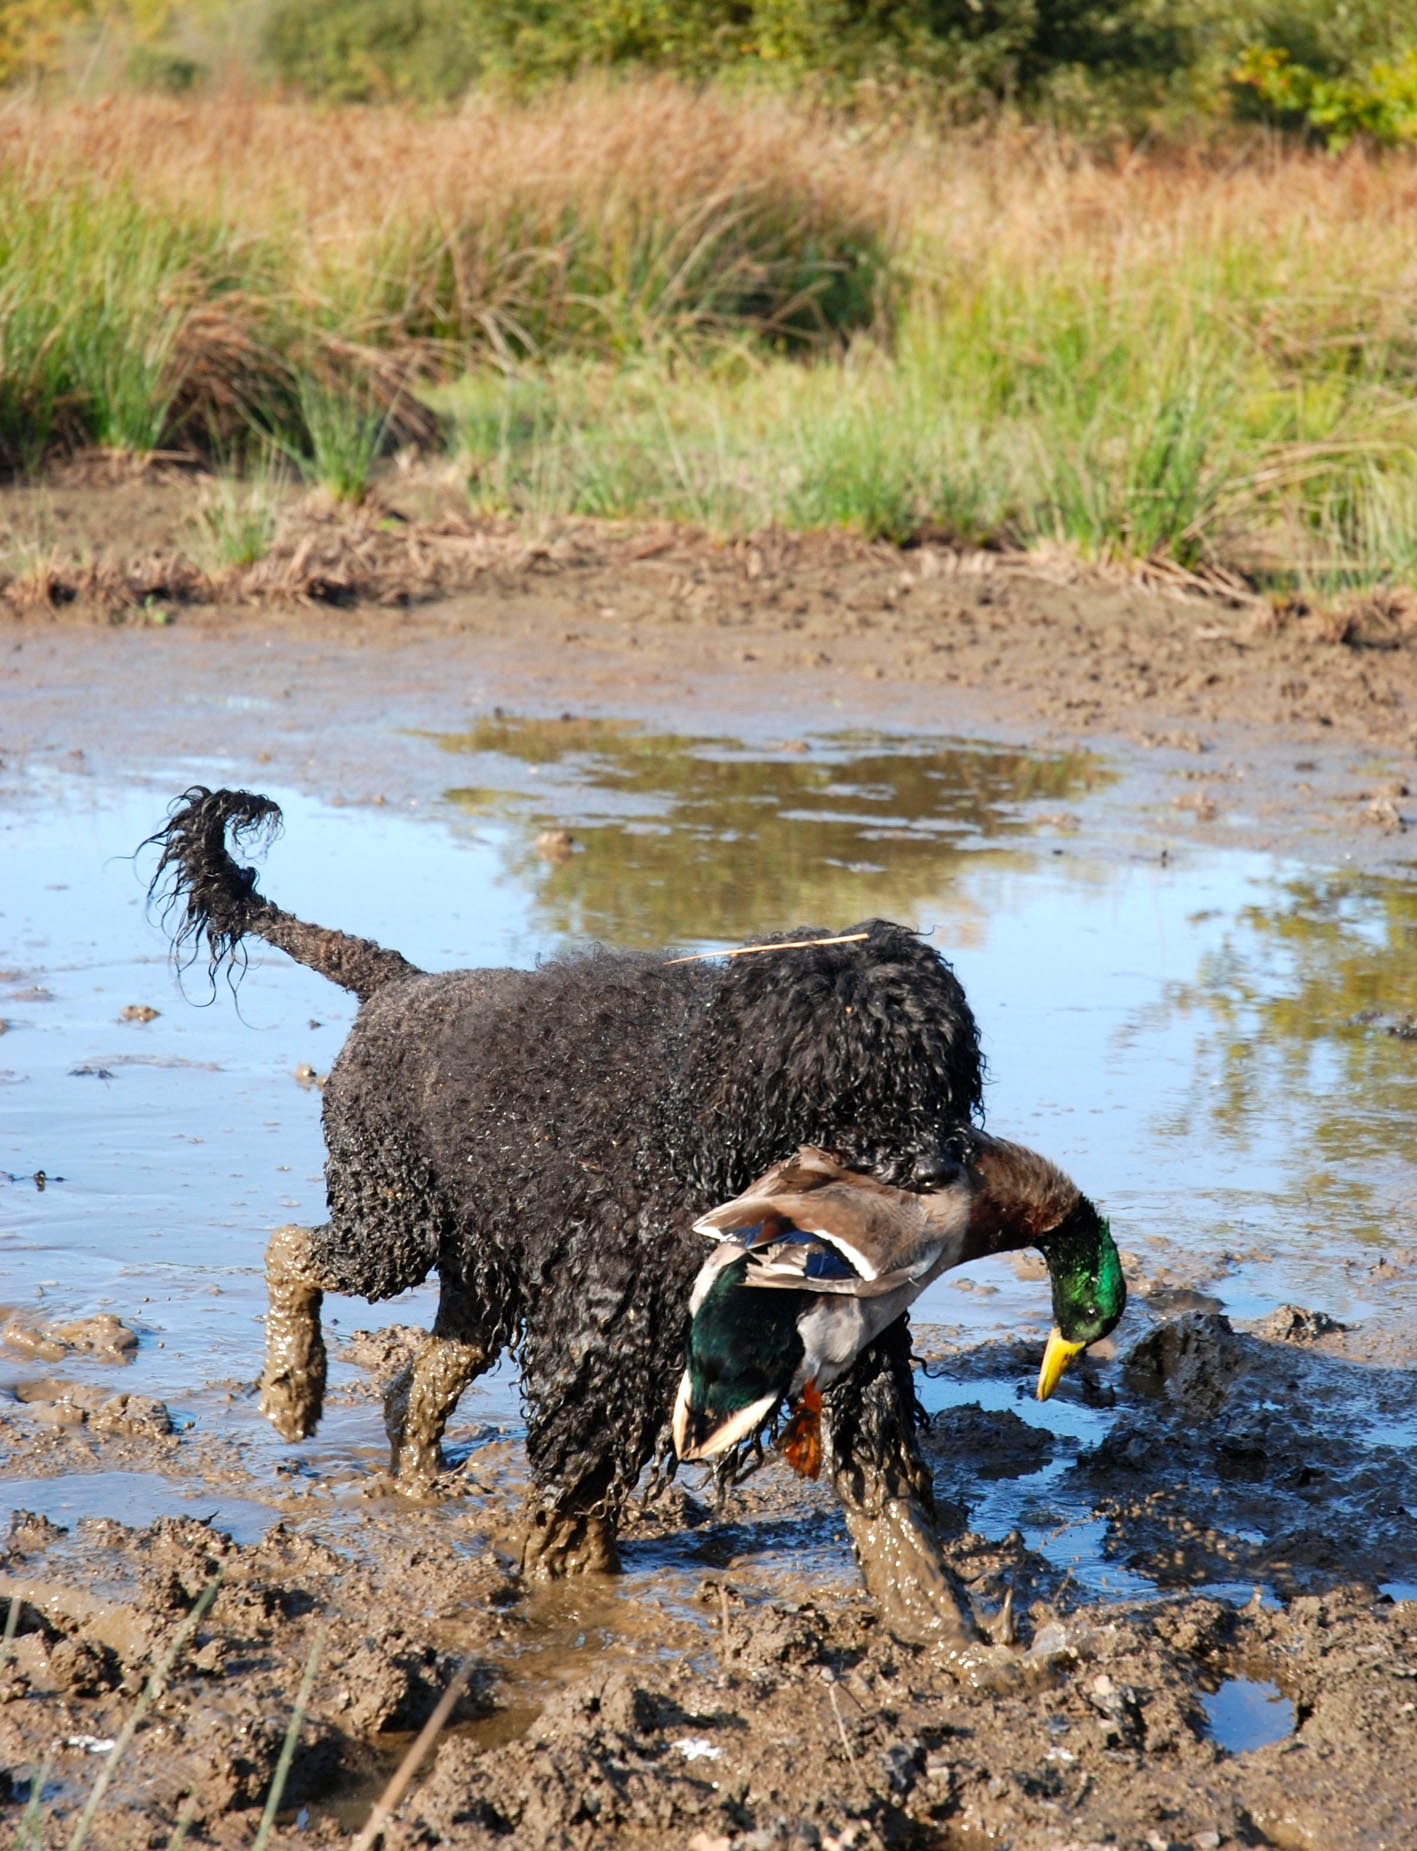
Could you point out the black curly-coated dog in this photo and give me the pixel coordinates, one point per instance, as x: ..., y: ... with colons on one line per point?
x: 544, y: 1139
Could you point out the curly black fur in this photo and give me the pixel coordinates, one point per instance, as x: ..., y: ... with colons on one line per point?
x: 197, y: 880
x: 216, y: 899
x: 546, y: 1138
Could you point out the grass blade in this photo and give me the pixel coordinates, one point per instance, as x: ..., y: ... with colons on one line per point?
x: 12, y: 1621
x: 185, y: 1816
x: 292, y: 1737
x: 29, y: 1828
x: 403, y: 1774
x: 140, y: 1709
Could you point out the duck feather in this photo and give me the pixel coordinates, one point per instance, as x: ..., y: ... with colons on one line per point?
x: 810, y: 1224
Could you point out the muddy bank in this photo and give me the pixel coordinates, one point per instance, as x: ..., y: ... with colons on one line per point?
x: 592, y: 615
x: 1258, y: 1687
x: 1211, y: 1544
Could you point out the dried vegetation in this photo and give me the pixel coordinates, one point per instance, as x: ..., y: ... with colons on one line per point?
x: 176, y: 275
x: 637, y: 300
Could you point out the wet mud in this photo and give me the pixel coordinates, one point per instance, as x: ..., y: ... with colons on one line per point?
x: 1258, y: 1686
x: 1208, y: 1540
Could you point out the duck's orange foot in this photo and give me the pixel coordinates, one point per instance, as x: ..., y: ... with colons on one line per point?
x: 801, y: 1442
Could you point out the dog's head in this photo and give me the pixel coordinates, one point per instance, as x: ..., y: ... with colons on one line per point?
x: 866, y: 1048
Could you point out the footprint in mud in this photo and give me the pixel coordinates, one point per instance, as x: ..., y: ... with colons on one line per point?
x: 1247, y: 1713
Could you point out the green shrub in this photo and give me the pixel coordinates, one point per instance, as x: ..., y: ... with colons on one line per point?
x: 970, y: 52
x: 154, y: 67
x: 1381, y: 104
x: 1332, y: 38
x: 1329, y: 69
x: 356, y: 51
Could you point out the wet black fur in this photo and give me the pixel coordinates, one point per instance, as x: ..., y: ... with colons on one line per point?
x: 545, y: 1138
x: 197, y: 881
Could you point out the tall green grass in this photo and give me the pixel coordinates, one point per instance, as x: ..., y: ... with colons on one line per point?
x: 237, y: 514
x: 652, y: 302
x: 192, y: 276
x: 96, y: 288
x: 1155, y: 421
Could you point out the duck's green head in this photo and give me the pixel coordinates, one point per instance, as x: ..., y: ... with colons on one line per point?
x: 1089, y: 1291
x: 742, y: 1353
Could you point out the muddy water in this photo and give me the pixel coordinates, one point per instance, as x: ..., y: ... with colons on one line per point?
x: 1182, y: 1033
x: 1248, y: 1713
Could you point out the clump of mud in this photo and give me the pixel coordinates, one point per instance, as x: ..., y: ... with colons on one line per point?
x: 102, y: 1336
x: 94, y: 1609
x: 736, y: 1692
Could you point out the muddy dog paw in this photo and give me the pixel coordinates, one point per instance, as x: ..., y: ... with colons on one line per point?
x: 558, y: 1545
x: 293, y: 1380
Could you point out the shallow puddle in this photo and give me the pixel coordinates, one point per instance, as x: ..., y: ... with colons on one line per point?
x: 1183, y: 1034
x: 709, y: 841
x: 134, y: 1498
x: 1246, y: 1714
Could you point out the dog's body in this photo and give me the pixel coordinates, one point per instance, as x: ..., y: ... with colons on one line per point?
x: 545, y: 1139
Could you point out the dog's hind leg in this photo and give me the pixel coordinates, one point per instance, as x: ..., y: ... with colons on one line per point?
x: 884, y: 1485
x: 598, y: 1382
x: 419, y: 1401
x: 293, y: 1380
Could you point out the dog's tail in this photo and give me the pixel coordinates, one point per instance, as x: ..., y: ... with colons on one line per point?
x: 206, y: 896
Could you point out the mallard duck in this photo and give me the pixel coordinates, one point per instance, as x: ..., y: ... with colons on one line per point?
x: 814, y: 1261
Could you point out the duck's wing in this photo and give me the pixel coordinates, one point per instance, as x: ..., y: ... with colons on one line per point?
x: 811, y: 1225
x: 801, y: 1248
x: 805, y: 1172
x: 800, y: 1261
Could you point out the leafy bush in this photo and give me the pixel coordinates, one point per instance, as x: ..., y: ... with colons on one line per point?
x: 32, y: 35
x: 154, y: 67
x: 1381, y: 104
x: 971, y: 51
x: 355, y: 51
x: 1332, y: 38
x: 1326, y: 69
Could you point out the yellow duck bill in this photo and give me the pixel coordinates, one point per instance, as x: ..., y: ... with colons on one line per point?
x: 1056, y: 1358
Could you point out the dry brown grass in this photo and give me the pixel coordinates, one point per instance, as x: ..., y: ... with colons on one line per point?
x: 650, y: 143
x: 502, y: 184
x: 1178, y: 359
x: 606, y: 208
x: 604, y: 213
x: 1040, y: 202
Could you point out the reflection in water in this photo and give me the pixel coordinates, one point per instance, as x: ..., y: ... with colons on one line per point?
x: 1288, y: 1047
x: 703, y: 840
x: 1179, y: 1035
x: 1247, y: 1713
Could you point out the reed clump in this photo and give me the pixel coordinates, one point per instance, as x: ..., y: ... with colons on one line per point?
x: 637, y: 299
x: 1206, y: 366
x: 165, y: 268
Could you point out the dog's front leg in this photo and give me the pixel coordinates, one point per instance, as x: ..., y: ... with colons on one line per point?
x: 884, y: 1485
x: 293, y: 1380
x: 561, y: 1542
